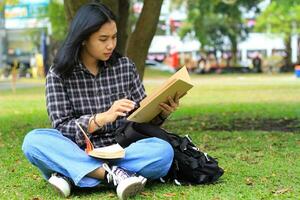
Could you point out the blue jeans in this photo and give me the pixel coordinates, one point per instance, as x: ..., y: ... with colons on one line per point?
x: 50, y: 152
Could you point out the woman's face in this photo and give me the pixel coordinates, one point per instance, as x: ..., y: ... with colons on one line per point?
x: 101, y: 44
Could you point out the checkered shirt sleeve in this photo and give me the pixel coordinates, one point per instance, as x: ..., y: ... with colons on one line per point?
x: 61, y: 112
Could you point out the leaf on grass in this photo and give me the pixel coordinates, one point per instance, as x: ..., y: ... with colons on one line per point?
x: 260, y: 154
x: 1, y: 143
x: 169, y: 194
x: 191, y: 128
x: 248, y: 159
x: 146, y: 194
x: 281, y: 191
x: 264, y: 179
x: 17, y: 161
x: 111, y: 195
x: 35, y: 177
x: 249, y: 181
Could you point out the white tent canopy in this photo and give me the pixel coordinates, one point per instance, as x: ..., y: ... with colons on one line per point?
x: 160, y: 44
x: 257, y: 41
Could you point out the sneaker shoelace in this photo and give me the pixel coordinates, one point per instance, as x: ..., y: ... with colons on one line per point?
x: 116, y: 174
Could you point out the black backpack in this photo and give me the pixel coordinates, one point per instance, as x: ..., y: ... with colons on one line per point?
x: 190, y: 165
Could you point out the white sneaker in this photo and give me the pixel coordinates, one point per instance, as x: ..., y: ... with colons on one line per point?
x: 61, y: 184
x: 143, y: 181
x: 127, y: 185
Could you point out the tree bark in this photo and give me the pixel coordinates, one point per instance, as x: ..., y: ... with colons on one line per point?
x: 288, y: 51
x: 298, y: 51
x: 122, y: 25
x: 140, y: 40
x: 113, y: 5
x: 71, y: 8
x: 234, y: 51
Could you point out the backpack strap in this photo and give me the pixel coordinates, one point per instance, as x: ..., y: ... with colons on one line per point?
x: 184, y: 144
x: 174, y: 143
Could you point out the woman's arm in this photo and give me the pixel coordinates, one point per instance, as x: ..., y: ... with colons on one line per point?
x: 60, y: 110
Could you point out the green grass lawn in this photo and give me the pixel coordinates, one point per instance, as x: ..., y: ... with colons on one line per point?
x: 251, y: 123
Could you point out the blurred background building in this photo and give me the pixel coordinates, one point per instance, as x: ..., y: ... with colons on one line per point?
x: 167, y: 41
x: 26, y: 26
x: 2, y: 40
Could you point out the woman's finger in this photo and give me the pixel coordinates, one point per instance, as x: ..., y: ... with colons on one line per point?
x: 172, y: 103
x: 167, y: 107
x: 123, y: 108
x: 126, y: 103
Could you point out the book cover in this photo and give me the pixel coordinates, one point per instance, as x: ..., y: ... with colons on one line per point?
x: 179, y: 83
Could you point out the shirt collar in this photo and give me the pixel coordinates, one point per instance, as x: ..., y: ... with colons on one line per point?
x: 80, y: 66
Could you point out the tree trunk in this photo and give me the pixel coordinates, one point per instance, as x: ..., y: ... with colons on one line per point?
x: 122, y: 25
x: 234, y: 52
x: 288, y: 51
x: 140, y: 40
x: 233, y: 41
x: 113, y: 5
x: 298, y: 51
x: 71, y: 8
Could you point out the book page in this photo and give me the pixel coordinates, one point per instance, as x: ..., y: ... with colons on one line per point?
x: 113, y: 151
x: 109, y: 149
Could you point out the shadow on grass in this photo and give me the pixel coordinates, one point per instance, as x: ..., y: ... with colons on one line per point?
x: 213, y: 123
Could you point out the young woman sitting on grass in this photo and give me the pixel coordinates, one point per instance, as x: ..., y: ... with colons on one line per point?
x: 91, y: 84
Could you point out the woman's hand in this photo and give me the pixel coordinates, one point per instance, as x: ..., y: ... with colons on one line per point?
x: 119, y: 108
x: 168, y: 108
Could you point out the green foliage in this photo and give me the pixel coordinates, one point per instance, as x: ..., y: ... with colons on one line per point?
x: 280, y: 17
x: 58, y: 21
x: 35, y: 36
x: 56, y: 15
x: 214, y: 20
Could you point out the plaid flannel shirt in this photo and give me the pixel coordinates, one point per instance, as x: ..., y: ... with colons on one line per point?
x: 82, y: 94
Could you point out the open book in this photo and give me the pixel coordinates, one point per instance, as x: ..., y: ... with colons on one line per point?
x: 149, y: 107
x: 113, y: 151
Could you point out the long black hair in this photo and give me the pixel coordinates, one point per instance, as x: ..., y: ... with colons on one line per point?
x: 88, y: 19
